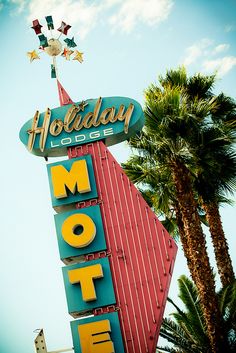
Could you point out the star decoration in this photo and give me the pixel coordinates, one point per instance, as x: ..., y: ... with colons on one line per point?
x: 37, y: 27
x: 82, y: 105
x: 49, y: 22
x: 33, y: 55
x: 43, y: 41
x: 67, y: 53
x: 54, y: 46
x: 70, y: 42
x: 64, y: 28
x: 53, y: 71
x: 78, y: 56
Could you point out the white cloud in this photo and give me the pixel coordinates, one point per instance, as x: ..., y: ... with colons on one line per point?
x: 202, y: 53
x: 196, y: 50
x: 150, y: 12
x: 79, y: 14
x: 84, y: 15
x: 220, y: 48
x: 222, y: 65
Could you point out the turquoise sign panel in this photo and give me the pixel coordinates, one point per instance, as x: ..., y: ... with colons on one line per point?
x: 115, y: 332
x: 98, y: 244
x: 103, y: 287
x: 71, y: 198
x: 112, y: 119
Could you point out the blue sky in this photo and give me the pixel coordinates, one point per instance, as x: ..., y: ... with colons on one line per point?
x: 126, y: 45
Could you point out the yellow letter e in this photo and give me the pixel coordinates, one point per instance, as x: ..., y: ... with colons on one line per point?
x: 95, y: 337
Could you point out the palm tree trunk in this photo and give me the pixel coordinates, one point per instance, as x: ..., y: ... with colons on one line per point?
x: 221, y: 250
x: 183, y: 239
x: 197, y: 255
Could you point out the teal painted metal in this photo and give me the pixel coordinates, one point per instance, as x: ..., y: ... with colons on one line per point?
x: 103, y: 286
x: 77, y: 197
x: 98, y: 244
x: 103, y: 126
x: 115, y: 333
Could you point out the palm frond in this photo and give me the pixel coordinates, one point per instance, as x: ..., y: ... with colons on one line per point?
x: 174, y: 78
x: 176, y: 335
x: 168, y: 349
x: 189, y: 296
x: 188, y: 328
x: 201, y: 86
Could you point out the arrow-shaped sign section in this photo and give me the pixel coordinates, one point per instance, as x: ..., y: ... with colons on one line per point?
x: 140, y: 251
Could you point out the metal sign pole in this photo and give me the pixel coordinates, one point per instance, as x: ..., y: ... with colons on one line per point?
x: 40, y: 344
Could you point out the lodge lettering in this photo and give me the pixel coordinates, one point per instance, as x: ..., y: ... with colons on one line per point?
x: 73, y: 121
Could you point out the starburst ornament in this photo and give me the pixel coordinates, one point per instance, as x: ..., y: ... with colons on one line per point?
x: 67, y: 53
x: 78, y: 56
x: 33, y: 55
x: 53, y: 46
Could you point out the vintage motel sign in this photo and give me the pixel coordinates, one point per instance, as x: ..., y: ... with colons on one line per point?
x: 118, y: 257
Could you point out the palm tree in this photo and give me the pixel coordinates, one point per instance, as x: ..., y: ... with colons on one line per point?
x: 215, y: 158
x: 187, y: 330
x: 171, y: 121
x: 179, y: 114
x: 215, y: 162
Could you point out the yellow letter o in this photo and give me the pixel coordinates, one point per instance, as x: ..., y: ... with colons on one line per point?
x: 87, y: 235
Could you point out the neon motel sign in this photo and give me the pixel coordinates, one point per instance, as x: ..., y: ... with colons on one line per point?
x: 104, y: 227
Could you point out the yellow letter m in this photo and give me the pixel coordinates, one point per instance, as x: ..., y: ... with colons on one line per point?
x: 75, y: 180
